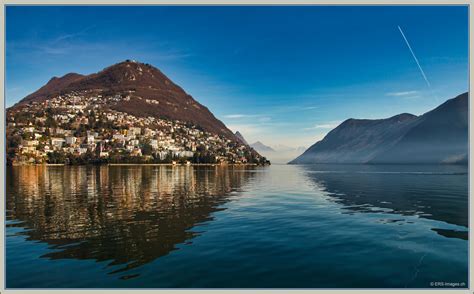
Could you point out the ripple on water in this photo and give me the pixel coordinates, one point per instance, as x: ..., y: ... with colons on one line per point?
x: 279, y: 226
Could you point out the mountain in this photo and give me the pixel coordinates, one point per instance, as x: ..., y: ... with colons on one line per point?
x: 284, y: 148
x: 127, y: 113
x: 357, y: 140
x: 262, y: 148
x: 438, y: 136
x: 278, y: 153
x: 55, y: 85
x: 241, y: 137
x: 142, y: 91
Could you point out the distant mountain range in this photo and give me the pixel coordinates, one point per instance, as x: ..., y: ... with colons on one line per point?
x: 438, y: 136
x: 260, y: 147
x: 277, y: 154
x: 151, y: 94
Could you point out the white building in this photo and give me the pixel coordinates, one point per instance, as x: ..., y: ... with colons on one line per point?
x: 71, y: 140
x: 90, y: 139
x: 154, y: 144
x: 118, y: 137
x: 134, y: 131
x: 57, y: 142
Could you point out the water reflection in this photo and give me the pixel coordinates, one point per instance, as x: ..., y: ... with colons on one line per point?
x: 432, y: 192
x: 126, y: 215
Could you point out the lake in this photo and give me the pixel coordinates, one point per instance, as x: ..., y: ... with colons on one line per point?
x: 279, y: 226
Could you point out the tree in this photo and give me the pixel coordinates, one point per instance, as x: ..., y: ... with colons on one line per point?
x: 14, y: 141
x: 81, y: 131
x: 56, y: 157
x: 50, y: 122
x: 147, y: 149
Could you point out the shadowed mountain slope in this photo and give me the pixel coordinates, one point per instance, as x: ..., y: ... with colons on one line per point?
x: 438, y: 136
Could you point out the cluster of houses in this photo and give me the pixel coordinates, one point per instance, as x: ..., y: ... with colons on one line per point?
x: 81, y: 124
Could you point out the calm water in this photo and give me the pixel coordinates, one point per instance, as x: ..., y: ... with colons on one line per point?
x: 318, y: 226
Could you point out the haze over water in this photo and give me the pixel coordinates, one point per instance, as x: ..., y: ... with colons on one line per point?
x: 313, y: 226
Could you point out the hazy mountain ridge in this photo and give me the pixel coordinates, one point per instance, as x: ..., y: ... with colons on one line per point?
x: 438, y: 136
x: 260, y: 147
x: 278, y: 153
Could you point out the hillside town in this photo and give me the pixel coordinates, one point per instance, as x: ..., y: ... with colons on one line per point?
x: 82, y: 128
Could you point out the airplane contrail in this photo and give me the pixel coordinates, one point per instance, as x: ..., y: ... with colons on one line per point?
x: 414, y: 57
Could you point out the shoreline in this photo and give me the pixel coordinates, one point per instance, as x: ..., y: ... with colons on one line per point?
x: 184, y: 164
x: 144, y: 164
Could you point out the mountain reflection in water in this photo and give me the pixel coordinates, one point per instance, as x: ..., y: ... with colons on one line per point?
x: 280, y: 226
x: 427, y: 191
x: 129, y: 215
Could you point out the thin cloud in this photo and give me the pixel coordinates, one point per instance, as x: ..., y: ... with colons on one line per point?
x: 14, y: 89
x: 309, y: 108
x: 400, y: 94
x: 236, y: 115
x: 323, y: 126
x: 73, y: 45
x: 73, y: 35
x: 258, y: 117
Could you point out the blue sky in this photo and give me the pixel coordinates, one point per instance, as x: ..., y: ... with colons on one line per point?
x: 281, y: 75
